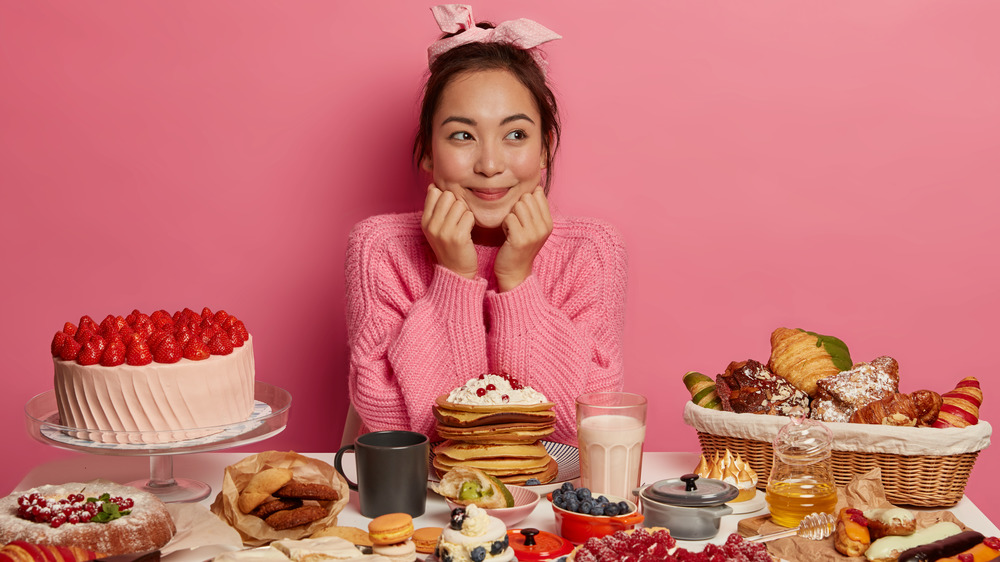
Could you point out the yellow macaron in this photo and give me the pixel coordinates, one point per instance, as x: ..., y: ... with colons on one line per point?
x: 391, y: 528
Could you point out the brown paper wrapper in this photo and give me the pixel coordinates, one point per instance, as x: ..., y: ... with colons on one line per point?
x: 862, y: 492
x: 253, y: 530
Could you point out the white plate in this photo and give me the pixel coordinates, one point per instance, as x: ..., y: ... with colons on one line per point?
x: 756, y: 503
x: 566, y: 456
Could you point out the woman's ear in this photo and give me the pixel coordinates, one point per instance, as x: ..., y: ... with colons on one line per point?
x: 427, y: 163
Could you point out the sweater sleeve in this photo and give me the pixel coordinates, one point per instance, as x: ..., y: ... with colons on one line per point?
x: 561, y: 330
x: 415, y: 330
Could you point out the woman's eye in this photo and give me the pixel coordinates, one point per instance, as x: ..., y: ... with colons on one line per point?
x: 516, y: 135
x: 460, y: 135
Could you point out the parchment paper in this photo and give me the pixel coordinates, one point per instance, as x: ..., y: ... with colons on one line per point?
x: 862, y: 492
x: 253, y: 530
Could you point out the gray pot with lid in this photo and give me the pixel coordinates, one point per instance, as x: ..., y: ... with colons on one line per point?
x: 690, y: 506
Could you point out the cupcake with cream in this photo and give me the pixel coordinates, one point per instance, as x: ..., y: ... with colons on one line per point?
x: 473, y: 536
x: 732, y: 470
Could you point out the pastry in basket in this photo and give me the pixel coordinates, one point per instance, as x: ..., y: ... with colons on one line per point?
x: 749, y: 387
x: 851, y: 537
x: 732, y: 470
x: 839, y: 396
x: 918, y: 408
x: 702, y: 389
x: 495, y: 424
x: 100, y: 516
x: 802, y: 357
x: 890, y: 521
x: 466, y: 486
x: 960, y: 407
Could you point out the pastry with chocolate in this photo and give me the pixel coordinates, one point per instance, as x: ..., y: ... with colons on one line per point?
x: 751, y: 388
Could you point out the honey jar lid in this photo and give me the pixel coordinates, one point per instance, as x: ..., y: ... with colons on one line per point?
x: 531, y: 544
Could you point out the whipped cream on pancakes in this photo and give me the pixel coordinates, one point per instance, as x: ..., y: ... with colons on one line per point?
x: 493, y: 389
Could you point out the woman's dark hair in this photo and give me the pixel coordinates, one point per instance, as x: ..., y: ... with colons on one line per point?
x: 473, y: 57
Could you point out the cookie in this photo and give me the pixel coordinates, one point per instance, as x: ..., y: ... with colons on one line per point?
x: 261, y: 486
x: 425, y: 538
x: 273, y: 506
x: 353, y: 534
x: 405, y: 551
x: 295, y: 517
x: 391, y: 528
x: 307, y: 491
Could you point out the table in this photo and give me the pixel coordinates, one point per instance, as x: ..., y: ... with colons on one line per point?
x: 209, y: 468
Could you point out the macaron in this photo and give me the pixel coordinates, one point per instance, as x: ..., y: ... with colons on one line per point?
x: 391, y: 528
x: 405, y: 551
x: 426, y: 539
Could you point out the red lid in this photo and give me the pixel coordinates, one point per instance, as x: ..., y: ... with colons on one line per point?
x: 546, y: 545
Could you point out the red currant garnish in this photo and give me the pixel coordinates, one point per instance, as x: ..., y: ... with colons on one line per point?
x: 480, y: 392
x: 505, y: 398
x: 127, y: 503
x: 491, y: 386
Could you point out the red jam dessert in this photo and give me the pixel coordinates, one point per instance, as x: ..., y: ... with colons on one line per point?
x: 158, y: 376
x: 98, y: 516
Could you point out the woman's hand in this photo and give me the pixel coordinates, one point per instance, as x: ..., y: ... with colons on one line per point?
x: 527, y: 228
x: 447, y: 224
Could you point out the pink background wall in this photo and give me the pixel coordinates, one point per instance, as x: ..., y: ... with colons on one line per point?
x: 830, y: 166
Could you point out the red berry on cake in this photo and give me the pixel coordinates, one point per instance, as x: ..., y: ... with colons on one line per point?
x: 220, y: 344
x: 69, y: 328
x: 168, y: 350
x: 241, y: 328
x: 196, y: 350
x: 138, y: 353
x: 87, y: 323
x: 220, y: 316
x: 109, y: 326
x: 58, y: 341
x: 83, y: 335
x: 206, y: 312
x: 114, y: 353
x: 234, y: 338
x: 70, y: 350
x: 90, y: 354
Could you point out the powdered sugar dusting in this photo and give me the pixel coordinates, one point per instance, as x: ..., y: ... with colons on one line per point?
x: 147, y: 527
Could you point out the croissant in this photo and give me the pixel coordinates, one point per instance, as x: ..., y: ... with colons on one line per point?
x: 22, y: 551
x: 960, y: 407
x: 928, y: 405
x: 803, y: 357
x: 895, y: 409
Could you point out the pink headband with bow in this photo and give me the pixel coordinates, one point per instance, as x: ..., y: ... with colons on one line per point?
x: 457, y: 18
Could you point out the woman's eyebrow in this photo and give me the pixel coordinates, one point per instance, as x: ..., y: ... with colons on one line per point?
x: 472, y: 122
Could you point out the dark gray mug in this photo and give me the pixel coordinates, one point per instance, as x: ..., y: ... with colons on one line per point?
x: 392, y: 472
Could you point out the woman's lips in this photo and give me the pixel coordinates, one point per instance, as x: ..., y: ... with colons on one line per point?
x: 490, y: 194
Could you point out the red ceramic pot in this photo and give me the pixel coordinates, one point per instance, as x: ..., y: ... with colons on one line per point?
x: 577, y: 527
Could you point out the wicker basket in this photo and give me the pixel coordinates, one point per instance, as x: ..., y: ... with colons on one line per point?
x: 921, y: 479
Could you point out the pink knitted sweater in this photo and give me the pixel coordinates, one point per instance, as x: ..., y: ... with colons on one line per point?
x: 416, y: 330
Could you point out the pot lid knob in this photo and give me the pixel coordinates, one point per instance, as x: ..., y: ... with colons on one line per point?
x: 689, y: 479
x: 529, y: 536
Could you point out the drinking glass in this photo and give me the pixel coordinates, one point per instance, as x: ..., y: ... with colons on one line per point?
x: 611, y: 428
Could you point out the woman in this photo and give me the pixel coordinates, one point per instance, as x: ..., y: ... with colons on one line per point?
x: 484, y: 279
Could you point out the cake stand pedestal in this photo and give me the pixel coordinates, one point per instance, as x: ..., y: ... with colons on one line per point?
x: 270, y: 416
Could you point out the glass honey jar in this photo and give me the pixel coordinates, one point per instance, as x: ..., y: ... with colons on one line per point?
x: 801, y: 480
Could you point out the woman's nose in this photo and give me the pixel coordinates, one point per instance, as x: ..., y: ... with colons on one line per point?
x: 490, y: 161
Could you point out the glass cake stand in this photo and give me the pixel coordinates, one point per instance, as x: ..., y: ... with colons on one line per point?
x: 269, y: 417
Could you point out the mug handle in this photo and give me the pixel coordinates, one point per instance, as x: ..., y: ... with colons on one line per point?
x: 337, y: 465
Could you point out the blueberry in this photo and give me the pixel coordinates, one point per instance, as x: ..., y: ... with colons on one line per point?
x: 556, y: 493
x: 559, y: 502
x: 602, y: 499
x: 598, y: 509
x: 586, y: 506
x: 533, y: 482
x: 478, y: 554
x: 583, y: 494
x: 567, y: 487
x: 611, y: 509
x: 497, y: 547
x: 623, y: 508
x: 572, y: 504
x: 446, y: 556
x: 457, y: 518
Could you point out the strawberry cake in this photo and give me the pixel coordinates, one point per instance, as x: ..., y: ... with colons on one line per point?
x: 153, y: 378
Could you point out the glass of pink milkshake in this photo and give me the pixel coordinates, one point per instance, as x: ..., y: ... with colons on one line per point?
x: 611, y: 428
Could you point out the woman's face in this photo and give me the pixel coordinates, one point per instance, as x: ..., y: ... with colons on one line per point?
x: 486, y: 144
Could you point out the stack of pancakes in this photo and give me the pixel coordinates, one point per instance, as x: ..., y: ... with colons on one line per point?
x: 501, y: 440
